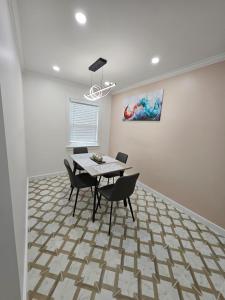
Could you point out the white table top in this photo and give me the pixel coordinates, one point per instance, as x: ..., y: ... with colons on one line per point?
x: 94, y: 169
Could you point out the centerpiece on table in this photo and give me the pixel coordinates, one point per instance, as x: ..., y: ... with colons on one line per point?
x: 97, y: 158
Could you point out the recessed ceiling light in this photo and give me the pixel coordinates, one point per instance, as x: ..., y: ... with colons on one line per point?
x: 81, y: 18
x: 56, y: 68
x: 155, y: 60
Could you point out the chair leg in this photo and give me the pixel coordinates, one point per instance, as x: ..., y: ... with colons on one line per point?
x: 125, y: 202
x: 98, y: 204
x: 110, y: 217
x: 75, y: 204
x: 131, y: 208
x: 99, y: 201
x: 71, y: 193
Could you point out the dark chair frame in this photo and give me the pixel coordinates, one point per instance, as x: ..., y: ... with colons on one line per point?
x: 76, y: 166
x: 121, y: 190
x: 122, y: 157
x: 81, y: 181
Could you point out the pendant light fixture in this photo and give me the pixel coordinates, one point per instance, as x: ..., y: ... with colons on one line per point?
x: 98, y: 91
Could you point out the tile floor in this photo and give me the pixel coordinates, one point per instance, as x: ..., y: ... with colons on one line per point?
x: 164, y: 254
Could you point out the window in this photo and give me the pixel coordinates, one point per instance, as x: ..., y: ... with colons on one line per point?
x: 83, y: 124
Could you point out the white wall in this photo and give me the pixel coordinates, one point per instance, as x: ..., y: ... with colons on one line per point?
x: 13, y: 157
x: 47, y: 119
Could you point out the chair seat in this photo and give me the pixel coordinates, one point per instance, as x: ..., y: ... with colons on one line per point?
x: 84, y: 180
x: 106, y: 190
x: 112, y: 174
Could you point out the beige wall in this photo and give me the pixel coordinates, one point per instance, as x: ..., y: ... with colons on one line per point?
x: 183, y: 155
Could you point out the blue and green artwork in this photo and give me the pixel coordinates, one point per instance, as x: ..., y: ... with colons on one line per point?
x: 145, y: 107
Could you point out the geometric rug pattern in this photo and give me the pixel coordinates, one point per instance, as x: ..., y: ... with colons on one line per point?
x: 164, y: 254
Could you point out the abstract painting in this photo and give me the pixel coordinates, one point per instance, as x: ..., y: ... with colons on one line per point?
x: 144, y: 107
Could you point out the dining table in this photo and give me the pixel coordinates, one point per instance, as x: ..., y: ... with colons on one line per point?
x: 96, y: 169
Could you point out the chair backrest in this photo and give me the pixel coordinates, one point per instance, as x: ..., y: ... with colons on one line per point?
x: 122, y: 157
x: 80, y: 150
x: 124, y: 187
x: 70, y: 172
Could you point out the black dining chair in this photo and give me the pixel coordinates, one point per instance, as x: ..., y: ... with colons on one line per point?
x: 122, y: 157
x: 78, y: 150
x: 79, y: 181
x: 121, y: 190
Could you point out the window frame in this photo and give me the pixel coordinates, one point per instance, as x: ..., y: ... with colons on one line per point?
x: 82, y: 144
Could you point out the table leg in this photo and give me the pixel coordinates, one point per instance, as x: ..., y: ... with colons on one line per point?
x: 94, y: 204
x: 96, y: 197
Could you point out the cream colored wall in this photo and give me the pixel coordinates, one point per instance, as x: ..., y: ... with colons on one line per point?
x: 13, y: 171
x: 46, y: 102
x: 183, y: 155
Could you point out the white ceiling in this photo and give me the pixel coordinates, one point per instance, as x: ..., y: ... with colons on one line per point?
x: 128, y: 33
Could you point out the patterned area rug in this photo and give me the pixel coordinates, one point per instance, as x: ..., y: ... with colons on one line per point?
x: 164, y: 254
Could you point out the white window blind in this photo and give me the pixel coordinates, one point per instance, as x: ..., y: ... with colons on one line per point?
x: 83, y: 124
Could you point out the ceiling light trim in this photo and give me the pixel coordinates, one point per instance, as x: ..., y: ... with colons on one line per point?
x: 56, y: 68
x: 155, y: 60
x: 80, y: 17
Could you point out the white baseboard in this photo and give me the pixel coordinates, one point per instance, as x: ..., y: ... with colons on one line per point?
x: 24, y: 296
x: 40, y: 176
x: 214, y: 227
